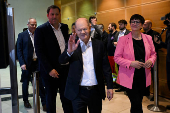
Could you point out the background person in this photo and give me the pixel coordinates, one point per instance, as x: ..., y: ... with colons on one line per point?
x: 29, y: 62
x: 50, y: 39
x: 147, y: 27
x: 166, y: 45
x: 95, y: 30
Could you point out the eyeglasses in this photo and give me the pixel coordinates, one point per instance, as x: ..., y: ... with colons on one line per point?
x: 80, y: 30
x: 133, y: 22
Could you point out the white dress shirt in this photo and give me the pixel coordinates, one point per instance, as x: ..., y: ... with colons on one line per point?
x: 121, y: 33
x: 59, y: 37
x: 32, y: 39
x: 89, y: 75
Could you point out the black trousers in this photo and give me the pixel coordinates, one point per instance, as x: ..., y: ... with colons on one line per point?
x: 168, y: 73
x: 135, y: 97
x: 90, y: 99
x: 26, y: 77
x: 52, y: 86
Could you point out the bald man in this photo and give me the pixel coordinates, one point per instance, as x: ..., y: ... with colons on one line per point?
x: 88, y: 62
x: 147, y: 27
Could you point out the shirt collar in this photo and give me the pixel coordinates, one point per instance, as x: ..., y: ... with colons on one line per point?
x: 123, y: 31
x: 82, y: 43
x: 30, y: 32
x: 54, y: 28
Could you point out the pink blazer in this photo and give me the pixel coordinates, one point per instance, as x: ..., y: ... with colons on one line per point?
x: 124, y: 55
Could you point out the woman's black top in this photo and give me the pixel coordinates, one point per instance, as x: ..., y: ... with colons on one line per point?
x: 139, y: 79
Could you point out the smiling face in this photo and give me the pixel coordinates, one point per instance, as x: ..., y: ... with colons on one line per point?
x: 54, y: 16
x: 135, y: 25
x: 82, y: 29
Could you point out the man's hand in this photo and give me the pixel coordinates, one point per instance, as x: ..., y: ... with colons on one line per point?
x: 136, y: 64
x: 147, y: 64
x: 54, y: 73
x: 109, y: 94
x: 72, y: 46
x: 156, y: 39
x: 93, y: 21
x: 23, y: 67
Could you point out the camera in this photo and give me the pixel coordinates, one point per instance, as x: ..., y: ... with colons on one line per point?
x: 166, y: 22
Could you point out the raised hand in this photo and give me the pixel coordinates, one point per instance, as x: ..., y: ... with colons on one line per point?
x: 72, y: 46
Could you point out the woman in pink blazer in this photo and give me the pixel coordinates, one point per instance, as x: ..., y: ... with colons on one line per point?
x: 135, y: 54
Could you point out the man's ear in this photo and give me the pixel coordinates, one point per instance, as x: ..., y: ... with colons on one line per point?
x: 150, y: 26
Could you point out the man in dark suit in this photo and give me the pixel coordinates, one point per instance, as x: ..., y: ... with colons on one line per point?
x: 88, y: 62
x: 28, y: 61
x: 147, y: 27
x: 111, y: 50
x: 95, y: 30
x: 123, y: 31
x: 50, y: 39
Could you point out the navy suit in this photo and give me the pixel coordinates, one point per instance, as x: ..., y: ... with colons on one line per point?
x: 101, y: 66
x: 48, y: 51
x: 25, y: 52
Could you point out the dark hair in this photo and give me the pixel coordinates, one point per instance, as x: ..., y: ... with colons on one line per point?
x: 167, y: 16
x: 122, y: 21
x: 92, y: 17
x: 73, y: 24
x: 52, y: 7
x: 137, y: 17
x: 113, y: 24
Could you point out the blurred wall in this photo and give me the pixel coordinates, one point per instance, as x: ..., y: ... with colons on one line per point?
x: 25, y: 9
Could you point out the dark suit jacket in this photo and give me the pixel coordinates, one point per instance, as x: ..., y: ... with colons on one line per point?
x: 166, y: 45
x: 101, y: 66
x: 25, y: 49
x: 47, y: 48
x: 97, y: 33
x: 117, y: 34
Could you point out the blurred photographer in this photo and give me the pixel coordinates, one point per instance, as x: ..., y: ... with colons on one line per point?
x: 147, y: 27
x: 166, y: 45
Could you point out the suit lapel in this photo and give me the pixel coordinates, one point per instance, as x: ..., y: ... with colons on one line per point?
x: 30, y: 45
x: 79, y: 52
x: 94, y: 48
x: 130, y: 44
x: 92, y: 33
x: 145, y: 41
x: 52, y: 34
x: 65, y: 34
